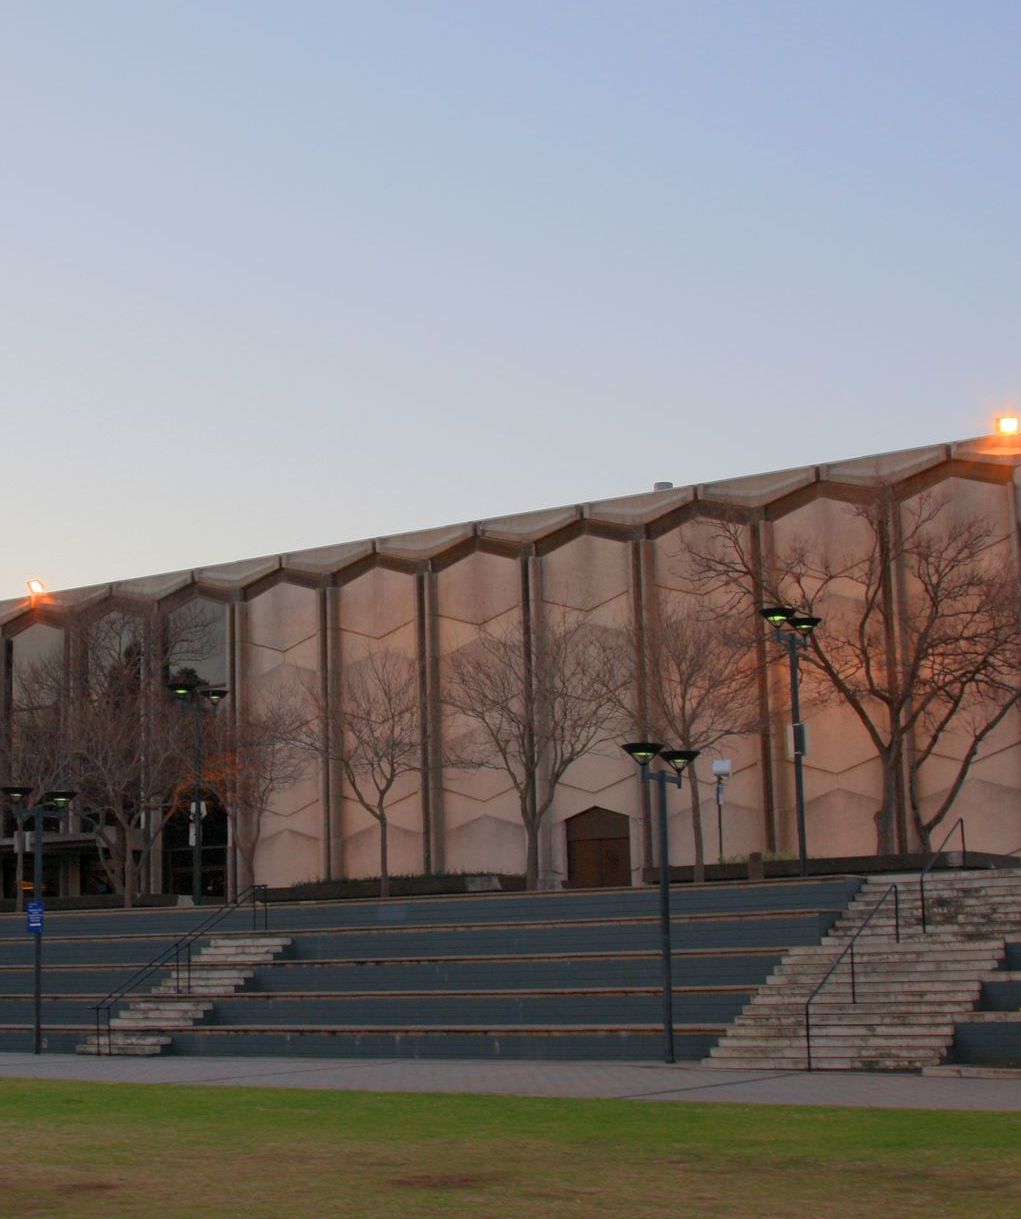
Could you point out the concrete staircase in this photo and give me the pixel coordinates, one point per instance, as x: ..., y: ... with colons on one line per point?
x: 176, y: 1004
x: 909, y: 994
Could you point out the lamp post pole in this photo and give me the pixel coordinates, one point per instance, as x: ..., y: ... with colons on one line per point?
x: 722, y: 769
x: 643, y: 752
x: 792, y: 631
x: 52, y: 804
x: 192, y: 694
x: 196, y: 808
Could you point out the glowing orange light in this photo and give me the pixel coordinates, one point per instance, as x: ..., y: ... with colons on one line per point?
x: 1007, y: 425
x: 36, y: 587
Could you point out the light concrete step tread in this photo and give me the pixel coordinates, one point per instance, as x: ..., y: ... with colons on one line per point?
x: 965, y: 1071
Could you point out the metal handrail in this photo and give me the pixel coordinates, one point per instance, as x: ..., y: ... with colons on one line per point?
x: 849, y: 948
x: 178, y: 952
x: 958, y: 824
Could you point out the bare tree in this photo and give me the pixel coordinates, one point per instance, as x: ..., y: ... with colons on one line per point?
x: 251, y: 759
x: 699, y: 672
x: 919, y: 636
x: 117, y: 739
x: 533, y: 709
x: 129, y: 744
x: 373, y: 733
x: 33, y: 753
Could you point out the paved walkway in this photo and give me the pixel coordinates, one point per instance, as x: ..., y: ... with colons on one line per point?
x: 624, y: 1081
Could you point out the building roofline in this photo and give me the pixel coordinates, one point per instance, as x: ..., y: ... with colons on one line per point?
x: 649, y: 513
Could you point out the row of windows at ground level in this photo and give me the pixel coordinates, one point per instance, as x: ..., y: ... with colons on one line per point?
x: 76, y: 869
x: 598, y: 854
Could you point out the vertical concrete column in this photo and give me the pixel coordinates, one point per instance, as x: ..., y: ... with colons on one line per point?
x: 325, y: 786
x: 763, y: 560
x: 329, y: 696
x: 233, y: 708
x: 533, y: 623
x: 642, y: 596
x: 430, y: 721
x: 528, y: 649
x: 892, y: 575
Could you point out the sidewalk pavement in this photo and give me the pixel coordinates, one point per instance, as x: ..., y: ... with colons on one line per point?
x: 649, y: 1081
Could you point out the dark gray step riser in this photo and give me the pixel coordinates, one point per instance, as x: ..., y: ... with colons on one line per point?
x: 417, y: 1044
x: 1001, y: 996
x: 755, y: 898
x: 779, y: 933
x: 625, y: 972
x: 997, y: 1045
x: 500, y: 1011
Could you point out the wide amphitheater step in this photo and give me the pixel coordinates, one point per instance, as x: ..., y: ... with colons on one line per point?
x: 522, y: 976
x: 901, y: 1009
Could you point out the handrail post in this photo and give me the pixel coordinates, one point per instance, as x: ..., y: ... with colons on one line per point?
x: 171, y: 958
x: 848, y: 950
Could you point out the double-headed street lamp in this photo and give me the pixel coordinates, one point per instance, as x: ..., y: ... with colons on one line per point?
x: 643, y: 752
x: 201, y: 700
x: 50, y: 804
x: 792, y: 631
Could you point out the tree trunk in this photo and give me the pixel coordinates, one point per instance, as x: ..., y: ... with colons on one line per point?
x: 532, y: 855
x: 886, y: 816
x: 247, y: 860
x: 384, y: 871
x: 129, y: 873
x: 696, y: 825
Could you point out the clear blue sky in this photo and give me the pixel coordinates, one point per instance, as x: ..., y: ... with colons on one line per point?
x: 276, y: 275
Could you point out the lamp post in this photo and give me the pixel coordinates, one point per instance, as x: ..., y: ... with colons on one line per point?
x: 643, y: 752
x: 51, y: 804
x: 722, y: 769
x: 792, y: 631
x: 201, y: 700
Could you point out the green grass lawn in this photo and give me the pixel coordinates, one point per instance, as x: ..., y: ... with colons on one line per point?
x: 87, y: 1151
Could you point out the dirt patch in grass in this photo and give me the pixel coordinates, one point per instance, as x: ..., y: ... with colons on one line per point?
x: 448, y: 1181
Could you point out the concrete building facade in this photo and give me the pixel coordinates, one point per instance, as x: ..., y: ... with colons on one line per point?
x: 292, y: 624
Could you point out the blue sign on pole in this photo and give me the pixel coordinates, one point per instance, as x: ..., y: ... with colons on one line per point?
x: 34, y: 911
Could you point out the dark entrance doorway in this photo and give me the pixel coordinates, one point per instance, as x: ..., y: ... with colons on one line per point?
x: 177, y: 848
x: 598, y: 849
